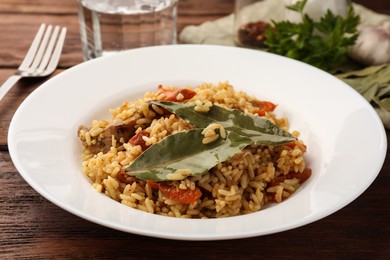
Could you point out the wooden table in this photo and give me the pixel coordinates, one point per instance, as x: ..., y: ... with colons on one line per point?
x: 32, y: 227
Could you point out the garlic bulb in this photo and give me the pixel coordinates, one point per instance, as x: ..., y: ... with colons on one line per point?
x: 373, y: 45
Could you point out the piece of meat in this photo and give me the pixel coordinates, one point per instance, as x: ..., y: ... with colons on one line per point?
x: 264, y: 106
x: 126, y: 130
x: 119, y: 130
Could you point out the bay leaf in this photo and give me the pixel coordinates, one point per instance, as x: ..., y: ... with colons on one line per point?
x: 357, y: 85
x: 383, y: 103
x: 384, y: 90
x: 362, y: 72
x: 373, y: 87
x: 260, y: 130
x: 185, y: 151
x: 371, y: 92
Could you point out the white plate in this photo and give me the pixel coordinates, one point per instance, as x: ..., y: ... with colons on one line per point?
x: 345, y: 138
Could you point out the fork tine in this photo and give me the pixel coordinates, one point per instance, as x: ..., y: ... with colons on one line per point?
x: 42, y: 47
x: 33, y: 48
x: 26, y: 69
x: 49, y: 50
x: 57, y: 51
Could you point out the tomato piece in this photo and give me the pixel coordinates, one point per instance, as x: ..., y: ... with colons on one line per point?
x: 186, y: 196
x: 138, y: 140
x: 264, y: 106
x: 187, y: 93
x: 183, y: 196
x: 153, y: 184
x: 172, y: 95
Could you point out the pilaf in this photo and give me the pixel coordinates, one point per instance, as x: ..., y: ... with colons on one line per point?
x: 257, y: 175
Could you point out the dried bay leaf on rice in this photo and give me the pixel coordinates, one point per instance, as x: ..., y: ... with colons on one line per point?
x: 259, y: 129
x: 185, y: 151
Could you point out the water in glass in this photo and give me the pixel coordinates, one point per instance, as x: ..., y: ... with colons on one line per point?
x: 108, y: 26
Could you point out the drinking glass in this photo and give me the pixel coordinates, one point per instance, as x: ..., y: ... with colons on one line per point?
x: 110, y: 26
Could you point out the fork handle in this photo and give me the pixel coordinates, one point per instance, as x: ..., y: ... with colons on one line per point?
x: 8, y: 84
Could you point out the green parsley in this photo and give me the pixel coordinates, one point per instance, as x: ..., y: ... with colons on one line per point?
x: 323, y: 44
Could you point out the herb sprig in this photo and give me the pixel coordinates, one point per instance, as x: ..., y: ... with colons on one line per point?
x: 323, y: 44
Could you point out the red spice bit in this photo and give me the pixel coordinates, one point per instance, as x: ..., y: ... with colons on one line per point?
x: 292, y: 144
x: 138, y: 140
x: 123, y: 177
x: 301, y: 176
x: 172, y: 95
x: 264, y: 106
x: 183, y: 196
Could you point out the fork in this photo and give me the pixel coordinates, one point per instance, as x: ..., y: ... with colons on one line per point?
x: 41, y: 59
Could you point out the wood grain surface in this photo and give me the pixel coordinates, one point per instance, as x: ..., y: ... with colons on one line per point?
x: 31, y: 227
